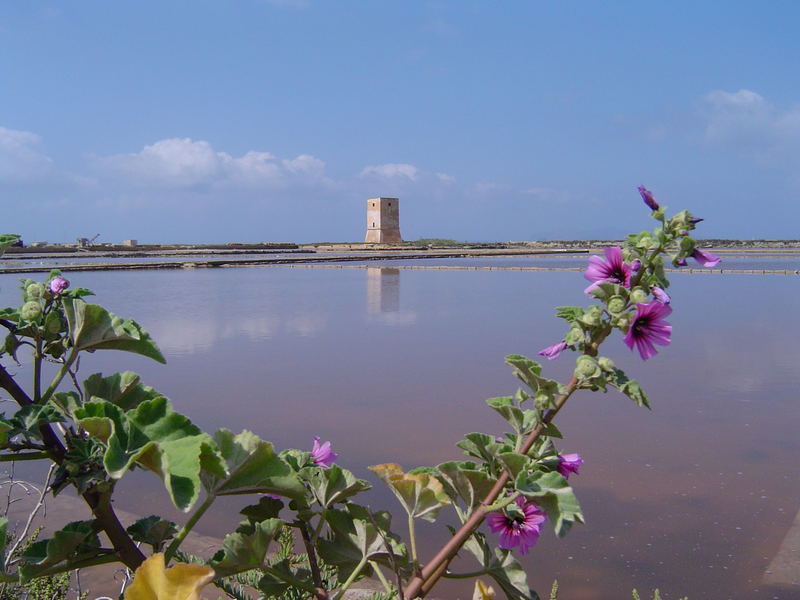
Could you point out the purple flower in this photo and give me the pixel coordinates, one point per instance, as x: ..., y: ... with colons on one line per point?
x: 647, y: 196
x: 695, y: 220
x: 321, y: 454
x: 705, y: 258
x: 681, y: 262
x: 58, y: 284
x: 636, y: 264
x: 569, y: 463
x: 553, y: 352
x: 611, y: 269
x: 660, y: 295
x: 519, y: 528
x: 648, y: 328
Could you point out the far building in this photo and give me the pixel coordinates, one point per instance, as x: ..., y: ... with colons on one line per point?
x: 383, y: 221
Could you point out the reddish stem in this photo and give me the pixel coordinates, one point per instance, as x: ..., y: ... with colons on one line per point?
x: 433, y: 570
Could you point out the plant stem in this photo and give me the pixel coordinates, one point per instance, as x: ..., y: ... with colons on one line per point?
x: 422, y: 583
x: 412, y: 539
x: 386, y: 585
x: 353, y: 576
x: 199, y: 512
x: 62, y: 372
x: 312, y: 556
x: 37, y: 371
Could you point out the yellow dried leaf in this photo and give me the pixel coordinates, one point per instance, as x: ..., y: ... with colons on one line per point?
x: 483, y: 591
x: 180, y: 582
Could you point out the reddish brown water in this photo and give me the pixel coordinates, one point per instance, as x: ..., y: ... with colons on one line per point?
x: 694, y: 497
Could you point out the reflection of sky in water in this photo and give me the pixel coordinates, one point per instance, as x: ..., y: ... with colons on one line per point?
x: 694, y: 497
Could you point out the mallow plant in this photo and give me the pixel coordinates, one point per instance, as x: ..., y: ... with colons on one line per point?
x: 507, y: 489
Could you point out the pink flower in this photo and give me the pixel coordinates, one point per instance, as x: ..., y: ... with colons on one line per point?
x: 648, y: 198
x: 519, y: 525
x: 611, y: 269
x: 569, y: 463
x: 58, y: 284
x: 648, y: 328
x: 553, y: 352
x: 321, y: 454
x: 660, y: 295
x: 705, y: 258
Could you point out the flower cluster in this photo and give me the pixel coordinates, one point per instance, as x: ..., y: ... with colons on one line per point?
x: 630, y: 281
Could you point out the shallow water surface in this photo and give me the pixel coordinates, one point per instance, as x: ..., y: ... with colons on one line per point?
x: 394, y: 365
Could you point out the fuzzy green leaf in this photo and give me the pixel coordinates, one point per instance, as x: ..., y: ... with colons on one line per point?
x: 123, y: 389
x: 420, y: 494
x: 359, y: 535
x: 468, y: 484
x: 152, y: 530
x: 156, y: 438
x: 246, y: 548
x: 252, y: 467
x: 92, y: 327
x: 501, y: 566
x: 333, y: 485
x: 75, y: 541
x: 552, y: 492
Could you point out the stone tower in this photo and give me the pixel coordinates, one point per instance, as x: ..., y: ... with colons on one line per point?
x: 383, y: 221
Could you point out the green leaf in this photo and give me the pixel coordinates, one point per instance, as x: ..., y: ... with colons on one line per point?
x: 505, y: 406
x: 629, y: 387
x: 552, y: 492
x: 156, y: 438
x: 462, y: 480
x: 514, y: 463
x: 501, y: 566
x: 251, y: 466
x: 247, y: 548
x: 421, y: 494
x: 333, y: 485
x: 569, y: 313
x: 274, y: 582
x: 92, y: 327
x: 123, y: 389
x: 82, y: 465
x: 152, y: 530
x: 75, y: 541
x: 479, y: 445
x: 267, y: 508
x: 359, y: 536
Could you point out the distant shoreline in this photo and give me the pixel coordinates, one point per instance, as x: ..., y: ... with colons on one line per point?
x: 122, y: 251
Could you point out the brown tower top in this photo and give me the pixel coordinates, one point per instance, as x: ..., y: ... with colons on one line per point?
x: 383, y: 221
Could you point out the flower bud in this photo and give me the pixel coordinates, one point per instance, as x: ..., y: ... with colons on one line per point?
x: 639, y: 295
x: 593, y: 316
x: 586, y: 367
x: 30, y: 310
x: 616, y: 304
x: 574, y: 335
x: 34, y: 291
x: 606, y: 364
x: 58, y: 284
x: 623, y: 322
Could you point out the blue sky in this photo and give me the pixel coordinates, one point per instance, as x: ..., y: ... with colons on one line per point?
x: 256, y: 120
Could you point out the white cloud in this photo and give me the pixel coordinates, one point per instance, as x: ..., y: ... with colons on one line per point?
x: 445, y: 178
x: 183, y: 162
x: 20, y: 159
x: 748, y: 122
x: 390, y: 171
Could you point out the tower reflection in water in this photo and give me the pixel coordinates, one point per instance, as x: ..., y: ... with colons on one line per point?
x: 383, y: 290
